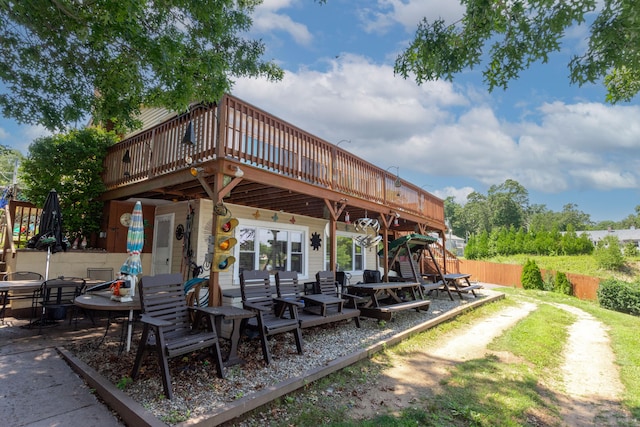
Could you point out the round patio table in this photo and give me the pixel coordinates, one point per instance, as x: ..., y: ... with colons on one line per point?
x: 101, y: 301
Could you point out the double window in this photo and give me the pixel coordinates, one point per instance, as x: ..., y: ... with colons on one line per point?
x: 266, y: 247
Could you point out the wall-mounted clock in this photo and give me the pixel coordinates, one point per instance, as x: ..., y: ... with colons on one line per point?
x: 125, y: 219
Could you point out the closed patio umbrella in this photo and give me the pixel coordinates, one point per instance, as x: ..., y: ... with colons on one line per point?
x: 49, y: 235
x: 135, y: 242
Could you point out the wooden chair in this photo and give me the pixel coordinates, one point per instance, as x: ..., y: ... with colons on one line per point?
x: 410, y: 272
x: 270, y: 312
x: 166, y: 314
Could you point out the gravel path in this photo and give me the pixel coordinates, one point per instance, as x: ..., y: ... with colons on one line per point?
x: 591, y: 377
x: 591, y: 384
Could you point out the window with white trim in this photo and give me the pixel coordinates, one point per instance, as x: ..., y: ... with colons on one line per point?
x: 263, y: 247
x: 350, y: 255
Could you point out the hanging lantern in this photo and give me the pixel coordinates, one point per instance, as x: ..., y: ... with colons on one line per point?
x: 347, y: 219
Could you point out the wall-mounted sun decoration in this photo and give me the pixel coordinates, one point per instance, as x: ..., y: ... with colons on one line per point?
x: 316, y: 241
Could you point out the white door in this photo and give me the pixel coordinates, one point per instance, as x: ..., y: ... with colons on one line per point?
x: 162, y: 244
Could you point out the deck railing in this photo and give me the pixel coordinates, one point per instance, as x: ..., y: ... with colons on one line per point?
x: 259, y: 139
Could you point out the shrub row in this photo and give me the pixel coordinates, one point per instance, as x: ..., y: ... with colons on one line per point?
x: 620, y: 296
x: 532, y: 279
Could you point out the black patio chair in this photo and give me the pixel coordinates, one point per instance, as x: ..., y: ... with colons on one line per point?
x: 271, y: 318
x: 22, y: 275
x: 52, y: 302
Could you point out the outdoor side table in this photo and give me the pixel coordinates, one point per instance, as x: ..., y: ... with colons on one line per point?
x: 237, y: 315
x: 321, y: 301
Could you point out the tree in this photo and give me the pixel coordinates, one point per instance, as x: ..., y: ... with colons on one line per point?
x: 71, y: 164
x: 608, y: 253
x: 63, y: 60
x: 8, y: 159
x: 515, y: 34
x: 531, y: 277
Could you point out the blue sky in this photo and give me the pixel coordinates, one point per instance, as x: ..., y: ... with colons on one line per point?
x: 563, y: 143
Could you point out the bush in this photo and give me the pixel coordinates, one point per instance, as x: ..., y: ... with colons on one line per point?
x: 549, y: 281
x: 620, y: 296
x: 608, y: 254
x: 563, y: 285
x: 531, y: 276
x: 630, y: 249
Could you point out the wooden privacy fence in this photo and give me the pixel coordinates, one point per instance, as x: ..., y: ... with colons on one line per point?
x: 584, y: 287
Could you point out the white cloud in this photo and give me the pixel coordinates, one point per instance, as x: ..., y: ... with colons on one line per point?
x: 3, y: 134
x: 408, y: 14
x: 459, y: 194
x: 440, y: 130
x: 267, y: 19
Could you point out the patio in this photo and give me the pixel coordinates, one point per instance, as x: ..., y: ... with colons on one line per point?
x: 198, y: 392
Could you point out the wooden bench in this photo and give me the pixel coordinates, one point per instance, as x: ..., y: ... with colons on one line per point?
x: 385, y: 312
x: 459, y: 282
x: 470, y: 288
x: 288, y: 287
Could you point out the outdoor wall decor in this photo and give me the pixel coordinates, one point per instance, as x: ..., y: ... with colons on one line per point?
x: 371, y: 228
x: 316, y: 241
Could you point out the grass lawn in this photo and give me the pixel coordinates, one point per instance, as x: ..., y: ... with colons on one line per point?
x: 478, y: 392
x: 581, y: 264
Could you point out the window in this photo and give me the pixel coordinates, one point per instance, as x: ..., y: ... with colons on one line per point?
x: 350, y: 255
x: 270, y: 248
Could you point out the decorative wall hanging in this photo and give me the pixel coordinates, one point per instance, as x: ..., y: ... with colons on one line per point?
x: 292, y: 220
x: 256, y: 214
x: 371, y: 228
x: 316, y: 241
x: 275, y: 217
x: 179, y: 231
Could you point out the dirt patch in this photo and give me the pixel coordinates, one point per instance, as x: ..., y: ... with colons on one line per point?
x: 592, y: 387
x: 421, y: 374
x: 588, y: 396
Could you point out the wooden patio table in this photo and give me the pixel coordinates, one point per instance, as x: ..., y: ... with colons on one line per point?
x: 403, y: 296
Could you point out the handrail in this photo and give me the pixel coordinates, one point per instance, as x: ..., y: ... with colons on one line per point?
x: 258, y: 139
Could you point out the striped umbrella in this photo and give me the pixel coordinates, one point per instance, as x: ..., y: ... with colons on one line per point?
x: 135, y: 242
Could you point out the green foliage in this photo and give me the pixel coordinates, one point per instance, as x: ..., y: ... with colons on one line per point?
x: 124, y: 382
x: 549, y: 282
x: 630, y: 249
x: 608, y: 253
x: 62, y: 61
x: 531, y: 276
x: 8, y: 159
x: 503, y: 242
x: 562, y: 284
x: 515, y: 34
x: 620, y: 296
x: 71, y: 164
